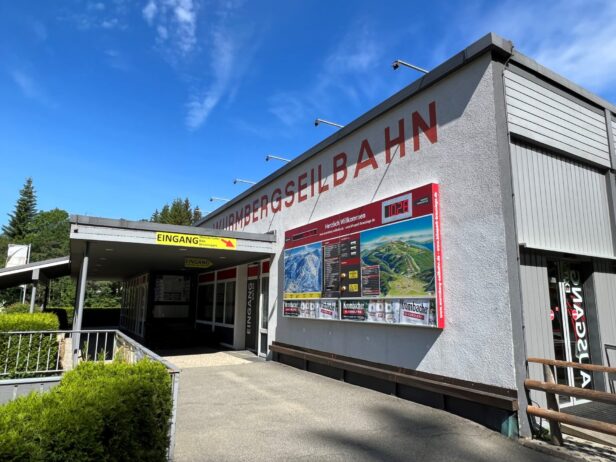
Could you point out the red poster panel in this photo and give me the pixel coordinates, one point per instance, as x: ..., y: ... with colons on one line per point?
x: 379, y: 263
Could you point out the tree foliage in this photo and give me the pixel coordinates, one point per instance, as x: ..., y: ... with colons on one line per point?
x: 25, y: 210
x: 48, y: 234
x: 180, y: 212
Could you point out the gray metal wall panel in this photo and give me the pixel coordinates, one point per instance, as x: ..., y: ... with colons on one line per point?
x: 536, y: 112
x: 605, y: 293
x: 536, y: 305
x: 614, y: 132
x: 561, y: 205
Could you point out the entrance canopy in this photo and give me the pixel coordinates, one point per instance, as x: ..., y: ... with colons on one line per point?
x: 40, y: 271
x: 120, y: 249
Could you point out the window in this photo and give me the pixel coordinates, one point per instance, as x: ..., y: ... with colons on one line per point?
x: 205, y: 303
x: 220, y: 302
x: 216, y: 302
x: 230, y: 303
x: 264, y: 301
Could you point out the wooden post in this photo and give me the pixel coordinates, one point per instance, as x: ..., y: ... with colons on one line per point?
x: 556, y: 435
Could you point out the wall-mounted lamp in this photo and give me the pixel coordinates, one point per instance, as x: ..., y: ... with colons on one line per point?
x: 327, y: 122
x: 398, y: 62
x: 269, y: 156
x: 239, y: 180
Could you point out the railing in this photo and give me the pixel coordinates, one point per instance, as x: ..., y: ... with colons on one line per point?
x: 33, y: 357
x: 551, y: 389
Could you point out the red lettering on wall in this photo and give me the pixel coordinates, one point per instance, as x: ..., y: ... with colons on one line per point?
x: 276, y: 200
x: 301, y: 185
x: 312, y: 182
x: 370, y: 160
x: 239, y: 216
x: 340, y: 167
x: 398, y: 141
x: 289, y: 191
x: 395, y: 143
x: 264, y: 201
x: 246, y: 215
x: 428, y: 130
x: 322, y: 186
x: 255, y: 209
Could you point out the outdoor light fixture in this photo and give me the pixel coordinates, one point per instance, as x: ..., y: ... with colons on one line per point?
x: 322, y: 121
x: 269, y: 156
x: 239, y: 180
x: 221, y: 199
x: 398, y: 62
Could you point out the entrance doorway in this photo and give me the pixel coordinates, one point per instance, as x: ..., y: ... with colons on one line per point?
x: 257, y: 307
x: 569, y: 324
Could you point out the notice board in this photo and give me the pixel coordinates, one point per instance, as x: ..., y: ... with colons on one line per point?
x: 380, y: 263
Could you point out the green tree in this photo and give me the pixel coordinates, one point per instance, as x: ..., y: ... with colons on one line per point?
x: 49, y: 235
x: 20, y: 220
x: 180, y: 212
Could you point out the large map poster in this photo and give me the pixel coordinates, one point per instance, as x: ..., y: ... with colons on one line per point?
x: 378, y: 263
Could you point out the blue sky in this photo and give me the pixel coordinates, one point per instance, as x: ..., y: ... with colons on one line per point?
x: 117, y: 107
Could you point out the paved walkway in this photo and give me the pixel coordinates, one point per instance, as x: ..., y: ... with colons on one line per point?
x: 266, y: 411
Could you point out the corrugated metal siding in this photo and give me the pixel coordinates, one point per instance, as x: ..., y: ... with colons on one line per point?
x: 549, y: 118
x: 536, y: 310
x: 614, y: 134
x: 561, y: 205
x: 605, y: 293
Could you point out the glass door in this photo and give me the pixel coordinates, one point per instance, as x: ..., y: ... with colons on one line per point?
x: 569, y: 325
x: 264, y: 313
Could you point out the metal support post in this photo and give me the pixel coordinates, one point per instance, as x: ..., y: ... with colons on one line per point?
x: 83, y: 277
x: 32, y: 297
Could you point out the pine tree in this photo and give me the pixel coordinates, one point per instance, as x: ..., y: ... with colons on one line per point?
x: 25, y: 210
x: 196, y: 214
x: 179, y: 212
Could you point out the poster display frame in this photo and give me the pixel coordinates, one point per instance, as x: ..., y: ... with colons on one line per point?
x: 339, y: 249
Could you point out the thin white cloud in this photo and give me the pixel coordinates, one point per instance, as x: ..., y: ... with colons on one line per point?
x: 223, y: 50
x: 175, y: 23
x: 574, y: 38
x: 29, y: 87
x: 149, y: 11
x: 347, y: 75
x: 98, y: 15
x: 26, y: 84
x: 224, y: 43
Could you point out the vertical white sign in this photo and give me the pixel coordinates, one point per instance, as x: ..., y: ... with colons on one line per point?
x: 18, y: 254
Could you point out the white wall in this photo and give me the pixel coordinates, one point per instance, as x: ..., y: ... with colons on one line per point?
x: 476, y: 343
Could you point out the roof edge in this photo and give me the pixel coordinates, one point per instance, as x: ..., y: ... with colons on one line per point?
x: 59, y: 261
x: 121, y: 223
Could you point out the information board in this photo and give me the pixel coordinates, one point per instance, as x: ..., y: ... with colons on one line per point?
x: 378, y: 263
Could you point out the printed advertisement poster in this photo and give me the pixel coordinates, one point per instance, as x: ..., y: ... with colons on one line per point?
x: 303, y: 271
x: 328, y: 309
x: 380, y: 263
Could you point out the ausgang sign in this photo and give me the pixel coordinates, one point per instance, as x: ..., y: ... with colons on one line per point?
x: 192, y: 240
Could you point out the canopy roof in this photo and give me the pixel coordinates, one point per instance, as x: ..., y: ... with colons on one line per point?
x: 119, y: 249
x: 40, y: 271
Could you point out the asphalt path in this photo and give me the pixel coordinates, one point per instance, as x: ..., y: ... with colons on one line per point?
x: 266, y: 411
